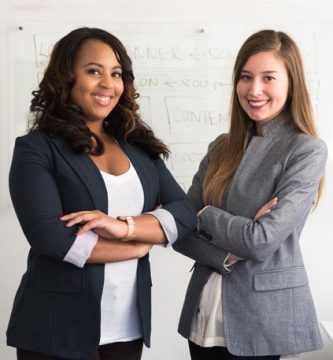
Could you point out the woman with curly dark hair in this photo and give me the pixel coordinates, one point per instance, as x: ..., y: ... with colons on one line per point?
x: 92, y: 196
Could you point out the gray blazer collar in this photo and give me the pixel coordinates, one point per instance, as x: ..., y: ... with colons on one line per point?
x: 279, y: 125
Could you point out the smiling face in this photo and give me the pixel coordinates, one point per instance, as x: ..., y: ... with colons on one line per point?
x: 98, y: 80
x: 262, y: 88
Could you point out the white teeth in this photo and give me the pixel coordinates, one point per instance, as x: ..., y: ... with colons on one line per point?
x: 102, y: 98
x: 258, y: 103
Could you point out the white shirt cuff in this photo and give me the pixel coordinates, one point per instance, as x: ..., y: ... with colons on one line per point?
x: 202, y: 210
x: 81, y: 249
x: 227, y: 263
x: 168, y: 224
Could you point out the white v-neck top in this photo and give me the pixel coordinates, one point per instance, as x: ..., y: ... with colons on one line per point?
x: 119, y: 309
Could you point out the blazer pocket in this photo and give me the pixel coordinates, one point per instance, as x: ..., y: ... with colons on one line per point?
x: 280, y: 279
x: 57, y: 276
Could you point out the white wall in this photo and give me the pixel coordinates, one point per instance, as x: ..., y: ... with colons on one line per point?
x: 170, y: 270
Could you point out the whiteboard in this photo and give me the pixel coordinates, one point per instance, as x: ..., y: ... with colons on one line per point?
x: 182, y: 73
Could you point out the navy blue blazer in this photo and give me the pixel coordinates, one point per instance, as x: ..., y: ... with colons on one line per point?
x: 57, y: 306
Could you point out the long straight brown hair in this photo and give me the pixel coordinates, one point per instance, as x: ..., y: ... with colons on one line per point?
x: 231, y: 147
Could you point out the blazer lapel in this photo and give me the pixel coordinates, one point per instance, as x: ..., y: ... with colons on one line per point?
x: 87, y: 171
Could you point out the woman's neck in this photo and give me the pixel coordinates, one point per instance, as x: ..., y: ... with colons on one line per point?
x: 96, y: 127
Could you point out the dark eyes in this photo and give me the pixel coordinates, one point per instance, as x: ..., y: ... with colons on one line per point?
x: 246, y: 77
x: 117, y: 74
x: 93, y: 71
x: 98, y: 72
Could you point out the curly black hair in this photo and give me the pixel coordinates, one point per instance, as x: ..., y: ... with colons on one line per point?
x: 54, y: 113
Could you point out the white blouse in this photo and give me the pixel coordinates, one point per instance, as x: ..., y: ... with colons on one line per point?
x: 207, y: 327
x: 119, y: 309
x: 120, y: 319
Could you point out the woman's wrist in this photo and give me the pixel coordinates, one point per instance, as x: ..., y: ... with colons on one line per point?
x: 130, y: 235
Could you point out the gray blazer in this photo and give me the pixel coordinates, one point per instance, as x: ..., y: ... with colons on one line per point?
x: 266, y: 300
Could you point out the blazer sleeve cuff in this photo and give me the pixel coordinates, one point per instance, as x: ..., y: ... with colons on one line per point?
x: 168, y: 224
x: 81, y: 249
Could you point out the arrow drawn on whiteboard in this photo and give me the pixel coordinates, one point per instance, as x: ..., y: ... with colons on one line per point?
x: 195, y: 54
x: 170, y: 83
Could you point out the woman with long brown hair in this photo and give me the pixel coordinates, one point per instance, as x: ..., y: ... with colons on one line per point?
x: 249, y: 297
x: 92, y: 195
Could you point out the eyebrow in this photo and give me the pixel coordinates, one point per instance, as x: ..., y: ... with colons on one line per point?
x: 264, y: 72
x: 101, y: 66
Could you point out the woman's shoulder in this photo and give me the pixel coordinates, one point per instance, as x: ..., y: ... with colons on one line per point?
x: 216, y: 142
x: 303, y: 142
x: 305, y: 148
x: 215, y: 145
x: 35, y: 140
x: 33, y: 136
